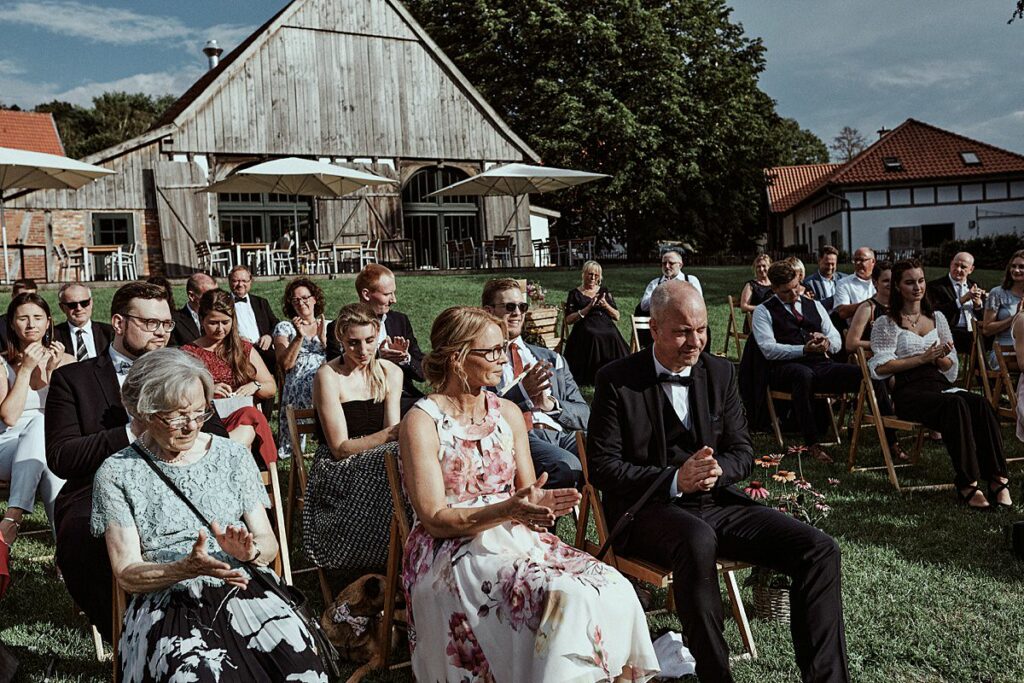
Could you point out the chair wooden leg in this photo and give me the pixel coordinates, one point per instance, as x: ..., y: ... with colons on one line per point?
x: 97, y: 643
x: 283, y: 560
x: 835, y: 422
x: 858, y: 418
x: 739, y: 613
x: 390, y: 592
x: 293, y: 492
x: 886, y: 454
x: 775, y: 420
x: 581, y: 523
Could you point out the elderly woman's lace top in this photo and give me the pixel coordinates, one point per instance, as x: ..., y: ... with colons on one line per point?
x: 890, y: 341
x: 224, y: 484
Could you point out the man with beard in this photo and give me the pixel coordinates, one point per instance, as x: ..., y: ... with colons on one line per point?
x: 85, y: 424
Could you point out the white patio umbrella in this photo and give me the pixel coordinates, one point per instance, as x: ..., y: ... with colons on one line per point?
x: 296, y: 176
x: 38, y: 171
x: 517, y: 179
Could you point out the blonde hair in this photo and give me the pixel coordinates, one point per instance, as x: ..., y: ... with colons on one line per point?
x: 797, y: 264
x: 758, y: 259
x: 451, y: 335
x: 592, y: 265
x: 357, y: 315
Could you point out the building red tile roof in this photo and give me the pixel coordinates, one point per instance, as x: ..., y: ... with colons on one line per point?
x: 29, y: 131
x: 917, y: 152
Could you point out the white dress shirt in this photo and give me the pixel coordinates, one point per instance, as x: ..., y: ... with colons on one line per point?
x: 87, y: 339
x: 382, y: 333
x: 764, y: 333
x: 507, y: 375
x: 120, y: 361
x: 966, y: 309
x: 195, y: 318
x: 645, y: 300
x: 679, y: 398
x: 247, y: 327
x: 853, y: 290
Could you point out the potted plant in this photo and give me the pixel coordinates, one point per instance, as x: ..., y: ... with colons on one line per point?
x: 789, y: 492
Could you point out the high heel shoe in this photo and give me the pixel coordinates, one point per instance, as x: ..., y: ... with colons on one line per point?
x: 966, y: 498
x: 993, y: 494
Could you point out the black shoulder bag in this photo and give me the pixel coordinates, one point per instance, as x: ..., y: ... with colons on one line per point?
x: 291, y: 595
x: 627, y: 518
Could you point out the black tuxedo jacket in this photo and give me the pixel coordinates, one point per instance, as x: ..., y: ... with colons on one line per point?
x: 85, y: 424
x: 185, y: 330
x: 266, y: 321
x: 626, y: 448
x: 943, y: 299
x: 396, y: 325
x: 102, y: 334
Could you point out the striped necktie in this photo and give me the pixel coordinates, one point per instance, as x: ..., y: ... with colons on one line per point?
x: 81, y: 353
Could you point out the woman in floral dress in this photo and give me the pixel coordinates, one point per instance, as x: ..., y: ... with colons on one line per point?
x: 300, y: 345
x: 492, y: 595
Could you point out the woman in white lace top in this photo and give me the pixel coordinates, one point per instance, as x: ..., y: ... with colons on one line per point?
x: 916, y: 347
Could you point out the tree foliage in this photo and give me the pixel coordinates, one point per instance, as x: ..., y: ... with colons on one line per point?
x: 795, y: 145
x: 113, y: 118
x: 848, y: 144
x: 662, y: 96
x: 1017, y: 13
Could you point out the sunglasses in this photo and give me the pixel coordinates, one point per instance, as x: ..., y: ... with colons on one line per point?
x: 512, y: 308
x: 84, y: 303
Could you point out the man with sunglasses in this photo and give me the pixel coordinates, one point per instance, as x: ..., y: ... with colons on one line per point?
x: 85, y: 424
x: 186, y: 320
x: 82, y: 336
x: 538, y: 380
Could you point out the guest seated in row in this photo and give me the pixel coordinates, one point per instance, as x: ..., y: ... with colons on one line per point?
x: 916, y: 347
x: 671, y: 269
x: 595, y: 340
x: 823, y: 281
x: 358, y: 400
x: 85, y: 423
x: 300, y: 344
x: 376, y: 287
x: 1017, y: 330
x: 187, y: 326
x: 1003, y: 304
x: 194, y: 610
x: 859, y: 334
x: 538, y: 381
x: 855, y: 289
x: 669, y: 421
x: 757, y: 290
x: 256, y: 323
x: 800, y: 270
x: 959, y: 299
x: 796, y: 337
x: 491, y: 594
x: 81, y: 336
x: 19, y: 286
x: 238, y: 373
x: 30, y: 358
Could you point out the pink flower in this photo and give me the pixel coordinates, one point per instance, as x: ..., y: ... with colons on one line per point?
x: 797, y: 449
x: 769, y: 461
x: 821, y: 507
x: 756, y: 490
x: 522, y: 594
x: 784, y: 476
x: 833, y: 482
x: 463, y: 650
x: 600, y: 654
x: 803, y: 484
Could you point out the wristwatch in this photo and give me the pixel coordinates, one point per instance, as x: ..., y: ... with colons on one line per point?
x: 257, y: 555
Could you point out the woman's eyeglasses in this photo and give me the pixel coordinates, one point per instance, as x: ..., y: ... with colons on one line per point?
x: 494, y: 354
x: 296, y: 300
x: 184, y: 420
x: 512, y: 308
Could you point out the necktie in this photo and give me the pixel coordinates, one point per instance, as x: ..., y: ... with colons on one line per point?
x: 961, y: 289
x: 796, y: 312
x: 81, y: 352
x: 517, y: 369
x: 666, y: 378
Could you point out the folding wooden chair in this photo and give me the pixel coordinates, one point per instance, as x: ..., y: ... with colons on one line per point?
x: 281, y: 564
x: 543, y: 322
x: 638, y: 323
x: 868, y: 415
x: 1004, y: 391
x: 979, y: 370
x: 301, y: 421
x: 400, y: 528
x: 733, y: 332
x: 830, y: 401
x: 648, y: 572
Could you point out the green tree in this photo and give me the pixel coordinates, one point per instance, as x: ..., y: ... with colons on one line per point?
x: 662, y: 96
x: 113, y: 118
x: 795, y: 145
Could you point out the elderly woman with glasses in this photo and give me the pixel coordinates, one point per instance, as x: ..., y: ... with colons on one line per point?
x: 300, y: 347
x: 194, y: 610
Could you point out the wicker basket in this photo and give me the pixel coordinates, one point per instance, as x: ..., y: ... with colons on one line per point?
x: 771, y: 603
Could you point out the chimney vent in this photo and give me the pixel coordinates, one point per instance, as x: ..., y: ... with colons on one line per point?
x: 882, y: 132
x: 213, y: 53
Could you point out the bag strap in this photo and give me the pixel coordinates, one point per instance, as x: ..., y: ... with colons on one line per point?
x: 627, y: 518
x: 251, y: 566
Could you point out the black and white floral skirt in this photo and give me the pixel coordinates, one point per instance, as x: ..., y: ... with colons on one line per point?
x: 215, y: 633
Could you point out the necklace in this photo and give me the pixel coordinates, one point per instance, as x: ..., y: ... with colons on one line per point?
x: 913, y: 320
x: 473, y: 422
x: 151, y: 452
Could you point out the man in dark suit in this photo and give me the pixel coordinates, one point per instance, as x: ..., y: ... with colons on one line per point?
x: 960, y: 299
x: 538, y: 380
x: 85, y: 424
x: 670, y: 419
x: 375, y: 287
x: 256, y: 321
x: 186, y: 321
x: 824, y: 280
x: 81, y: 336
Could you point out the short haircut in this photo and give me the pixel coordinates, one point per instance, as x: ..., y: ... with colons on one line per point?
x: 192, y: 284
x: 68, y: 285
x: 781, y: 272
x: 828, y: 250
x: 21, y: 284
x: 124, y: 295
x: 161, y: 281
x: 495, y: 287
x: 672, y: 250
x: 160, y: 380
x: 370, y: 276
x: 240, y: 267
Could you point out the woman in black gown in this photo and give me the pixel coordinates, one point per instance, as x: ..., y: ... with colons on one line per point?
x: 595, y: 340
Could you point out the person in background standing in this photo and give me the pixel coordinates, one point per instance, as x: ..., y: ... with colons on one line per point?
x: 186, y: 321
x: 595, y: 340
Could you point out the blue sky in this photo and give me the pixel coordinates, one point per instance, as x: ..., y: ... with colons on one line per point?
x: 831, y: 63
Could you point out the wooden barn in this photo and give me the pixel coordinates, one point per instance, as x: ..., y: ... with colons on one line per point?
x: 357, y: 83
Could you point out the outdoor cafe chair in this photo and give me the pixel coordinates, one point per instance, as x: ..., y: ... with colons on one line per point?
x: 369, y: 252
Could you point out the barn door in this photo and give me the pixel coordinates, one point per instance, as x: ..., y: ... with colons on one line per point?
x: 184, y: 213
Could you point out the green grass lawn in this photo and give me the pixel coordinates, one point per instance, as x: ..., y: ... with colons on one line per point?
x: 931, y: 591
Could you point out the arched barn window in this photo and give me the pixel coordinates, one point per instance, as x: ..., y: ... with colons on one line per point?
x: 432, y: 222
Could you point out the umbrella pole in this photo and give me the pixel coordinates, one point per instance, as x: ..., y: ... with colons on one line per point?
x: 3, y: 229
x: 295, y: 213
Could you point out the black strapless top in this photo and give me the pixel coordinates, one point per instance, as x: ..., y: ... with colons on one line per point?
x: 363, y: 417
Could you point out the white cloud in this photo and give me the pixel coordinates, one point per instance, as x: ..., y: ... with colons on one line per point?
x: 935, y: 74
x: 8, y: 67
x: 157, y: 83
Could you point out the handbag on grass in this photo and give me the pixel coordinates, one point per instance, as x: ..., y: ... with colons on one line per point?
x: 291, y: 595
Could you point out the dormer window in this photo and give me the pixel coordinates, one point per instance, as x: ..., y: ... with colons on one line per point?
x: 970, y: 158
x: 892, y: 164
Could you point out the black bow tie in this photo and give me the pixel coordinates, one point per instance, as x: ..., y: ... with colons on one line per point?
x: 665, y: 378
x: 242, y: 299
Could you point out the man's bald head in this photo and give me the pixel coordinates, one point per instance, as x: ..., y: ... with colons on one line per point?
x: 675, y: 295
x: 679, y: 324
x: 961, y: 266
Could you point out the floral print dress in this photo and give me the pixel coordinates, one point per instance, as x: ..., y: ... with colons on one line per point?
x: 298, y: 382
x: 509, y: 604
